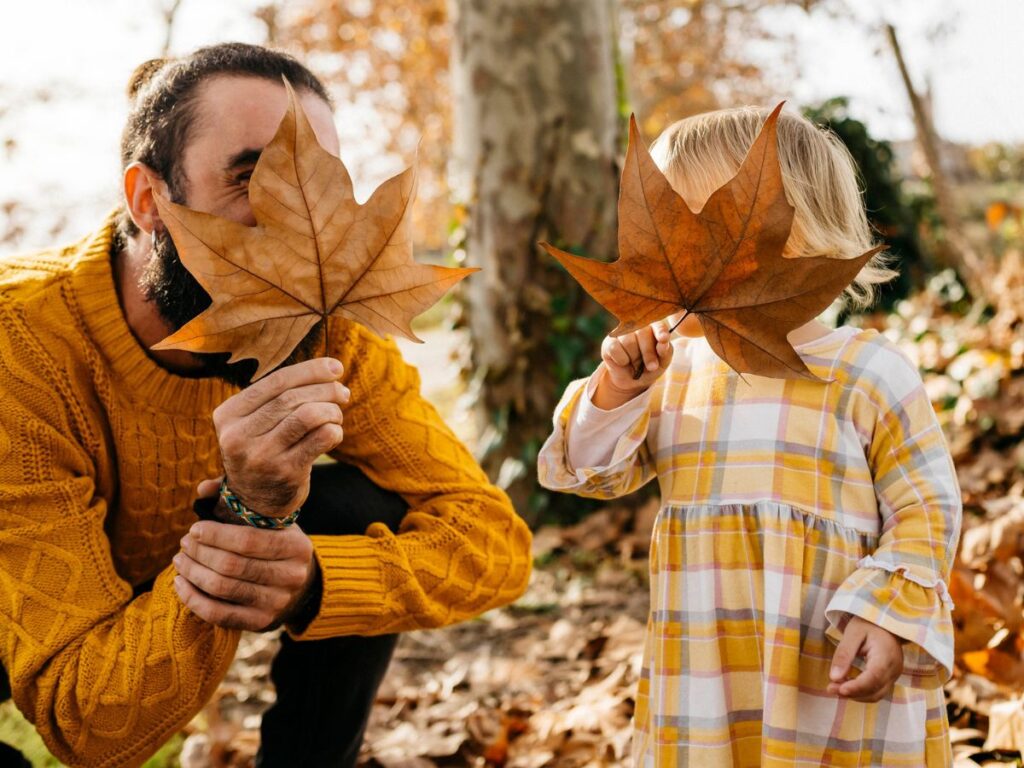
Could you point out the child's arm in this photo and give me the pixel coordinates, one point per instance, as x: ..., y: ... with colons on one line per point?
x: 901, y: 586
x: 597, y: 447
x: 594, y: 431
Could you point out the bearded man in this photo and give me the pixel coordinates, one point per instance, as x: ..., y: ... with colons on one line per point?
x: 120, y: 612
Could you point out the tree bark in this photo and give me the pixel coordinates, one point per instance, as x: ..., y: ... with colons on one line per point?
x: 966, y: 259
x: 536, y: 139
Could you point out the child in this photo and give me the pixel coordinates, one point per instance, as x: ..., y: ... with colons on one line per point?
x: 806, y: 528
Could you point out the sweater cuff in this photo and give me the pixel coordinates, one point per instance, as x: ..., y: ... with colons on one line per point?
x: 352, y: 602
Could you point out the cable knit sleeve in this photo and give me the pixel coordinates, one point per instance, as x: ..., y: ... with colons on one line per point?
x: 105, y: 678
x: 461, y: 549
x: 901, y: 586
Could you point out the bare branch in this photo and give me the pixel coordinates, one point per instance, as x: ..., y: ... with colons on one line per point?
x: 169, y: 12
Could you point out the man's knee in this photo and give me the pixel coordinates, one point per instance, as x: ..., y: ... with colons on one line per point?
x: 344, y: 501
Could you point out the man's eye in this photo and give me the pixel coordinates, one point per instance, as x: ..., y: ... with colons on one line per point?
x: 244, y: 177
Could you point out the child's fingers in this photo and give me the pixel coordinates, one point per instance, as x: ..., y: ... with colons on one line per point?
x: 664, y: 352
x: 650, y: 347
x: 630, y: 345
x: 645, y: 339
x: 664, y: 343
x: 627, y: 354
x: 870, y: 685
x: 614, y: 352
x: 884, y: 664
x: 846, y: 651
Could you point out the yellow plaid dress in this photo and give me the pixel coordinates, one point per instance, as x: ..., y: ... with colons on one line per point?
x: 786, y: 505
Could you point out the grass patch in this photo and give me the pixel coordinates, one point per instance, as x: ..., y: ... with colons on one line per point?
x: 19, y: 733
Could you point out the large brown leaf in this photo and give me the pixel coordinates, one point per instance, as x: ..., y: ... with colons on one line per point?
x: 724, y: 264
x: 314, y: 253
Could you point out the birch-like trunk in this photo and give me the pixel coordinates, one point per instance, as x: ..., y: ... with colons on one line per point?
x: 971, y: 265
x: 535, y: 159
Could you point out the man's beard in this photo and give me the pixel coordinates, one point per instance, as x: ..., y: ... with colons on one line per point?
x: 179, y: 297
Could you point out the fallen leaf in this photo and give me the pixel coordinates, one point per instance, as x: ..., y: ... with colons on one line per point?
x: 314, y: 253
x: 723, y: 264
x: 995, y: 665
x: 597, y: 530
x: 1006, y: 726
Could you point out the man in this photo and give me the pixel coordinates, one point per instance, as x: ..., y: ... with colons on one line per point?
x: 120, y: 612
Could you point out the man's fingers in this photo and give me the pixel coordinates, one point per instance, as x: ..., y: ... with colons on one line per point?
x: 272, y: 413
x: 219, y: 612
x: 208, y: 488
x: 304, y: 420
x: 317, y: 443
x: 315, y: 371
x: 846, y: 651
x: 264, y: 544
x: 229, y: 564
x: 217, y: 585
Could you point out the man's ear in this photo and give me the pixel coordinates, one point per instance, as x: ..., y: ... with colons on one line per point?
x: 140, y: 182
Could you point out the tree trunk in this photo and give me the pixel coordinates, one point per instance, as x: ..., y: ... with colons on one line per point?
x: 971, y: 266
x: 536, y: 137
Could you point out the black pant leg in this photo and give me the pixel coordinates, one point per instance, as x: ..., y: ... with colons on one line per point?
x: 12, y: 758
x: 325, y: 688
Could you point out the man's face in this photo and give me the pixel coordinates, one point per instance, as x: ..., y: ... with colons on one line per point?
x: 235, y: 118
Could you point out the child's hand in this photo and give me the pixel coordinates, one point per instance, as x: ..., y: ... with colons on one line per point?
x: 648, y: 349
x: 883, y: 654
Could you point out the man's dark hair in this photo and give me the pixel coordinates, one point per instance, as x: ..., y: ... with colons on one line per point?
x: 163, y: 94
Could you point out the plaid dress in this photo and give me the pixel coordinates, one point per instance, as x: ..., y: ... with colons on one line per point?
x: 786, y: 506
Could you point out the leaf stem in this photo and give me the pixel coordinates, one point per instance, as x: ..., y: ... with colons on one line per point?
x: 679, y: 321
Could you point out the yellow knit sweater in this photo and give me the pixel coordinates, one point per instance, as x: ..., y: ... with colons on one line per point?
x: 100, y: 453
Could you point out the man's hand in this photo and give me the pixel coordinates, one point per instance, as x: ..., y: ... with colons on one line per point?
x: 883, y: 656
x: 271, y: 433
x: 240, y: 577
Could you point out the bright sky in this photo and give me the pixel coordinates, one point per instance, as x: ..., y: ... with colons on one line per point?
x: 65, y: 158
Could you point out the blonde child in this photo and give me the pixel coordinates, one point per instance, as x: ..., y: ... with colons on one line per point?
x: 799, y: 614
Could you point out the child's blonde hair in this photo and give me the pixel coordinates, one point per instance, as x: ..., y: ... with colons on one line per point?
x: 701, y: 153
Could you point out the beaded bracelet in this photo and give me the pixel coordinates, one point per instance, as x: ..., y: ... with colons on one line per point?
x: 249, y: 517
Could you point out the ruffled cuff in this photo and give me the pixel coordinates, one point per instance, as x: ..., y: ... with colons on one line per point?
x: 555, y: 471
x: 916, y: 608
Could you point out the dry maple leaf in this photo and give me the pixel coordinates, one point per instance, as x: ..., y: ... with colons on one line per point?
x: 723, y: 264
x: 314, y: 253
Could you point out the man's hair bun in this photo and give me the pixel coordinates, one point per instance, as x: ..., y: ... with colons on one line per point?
x: 163, y: 99
x: 143, y: 74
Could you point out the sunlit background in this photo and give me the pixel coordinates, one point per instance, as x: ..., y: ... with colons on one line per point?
x: 64, y: 65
